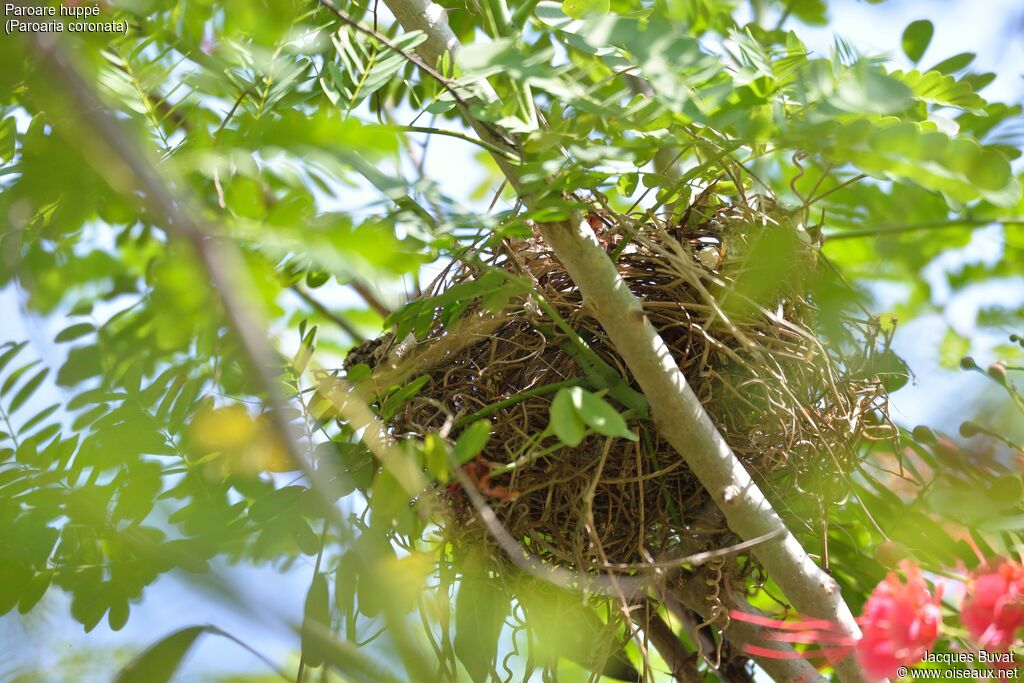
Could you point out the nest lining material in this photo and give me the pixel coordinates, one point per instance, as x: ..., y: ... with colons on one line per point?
x: 740, y: 329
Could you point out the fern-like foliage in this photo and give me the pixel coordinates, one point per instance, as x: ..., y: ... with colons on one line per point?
x: 941, y: 89
x: 364, y: 66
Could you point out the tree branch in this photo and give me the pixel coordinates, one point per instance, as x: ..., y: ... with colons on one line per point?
x: 371, y: 299
x: 740, y: 633
x: 682, y: 420
x: 347, y: 327
x: 681, y: 665
x: 676, y: 411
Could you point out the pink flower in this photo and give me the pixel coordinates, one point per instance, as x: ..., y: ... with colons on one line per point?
x: 900, y: 623
x: 993, y: 608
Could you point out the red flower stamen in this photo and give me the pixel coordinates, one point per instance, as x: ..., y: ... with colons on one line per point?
x: 900, y: 623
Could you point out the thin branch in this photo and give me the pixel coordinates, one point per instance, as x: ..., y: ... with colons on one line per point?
x: 349, y: 329
x: 740, y: 633
x: 681, y: 664
x: 494, y: 149
x: 371, y: 299
x: 812, y: 199
x: 231, y: 112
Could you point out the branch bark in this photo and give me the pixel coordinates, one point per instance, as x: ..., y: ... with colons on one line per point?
x: 682, y: 420
x: 682, y: 666
x: 740, y: 633
x: 676, y: 411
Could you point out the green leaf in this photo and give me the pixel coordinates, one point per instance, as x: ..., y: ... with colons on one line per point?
x: 480, y: 609
x: 10, y: 353
x: 399, y: 398
x: 306, y: 349
x: 276, y: 503
x: 916, y: 38
x: 364, y: 67
x: 954, y: 63
x: 159, y: 662
x: 39, y: 417
x: 317, y: 620
x: 74, y: 332
x: 8, y: 139
x: 25, y: 393
x: 35, y: 591
x: 675, y: 65
x: 345, y: 576
x: 435, y: 457
x: 389, y: 503
x: 472, y: 441
x: 952, y: 348
x: 599, y: 415
x: 117, y: 617
x: 83, y: 362
x: 941, y: 89
x: 890, y: 370
x: 566, y: 424
x: 15, y: 578
x: 869, y: 91
x: 353, y: 662
x: 13, y: 378
x: 813, y: 12
x: 483, y: 59
x: 565, y: 624
x: 577, y: 9
x: 900, y: 150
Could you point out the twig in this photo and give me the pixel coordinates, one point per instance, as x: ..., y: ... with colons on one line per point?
x: 697, y: 559
x: 741, y: 633
x: 430, y: 130
x: 231, y: 112
x: 338, y: 320
x: 681, y: 665
x: 371, y: 299
x: 812, y: 199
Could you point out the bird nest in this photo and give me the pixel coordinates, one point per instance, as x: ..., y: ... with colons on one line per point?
x: 731, y: 289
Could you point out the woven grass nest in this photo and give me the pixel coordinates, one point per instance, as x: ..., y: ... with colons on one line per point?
x: 729, y: 287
